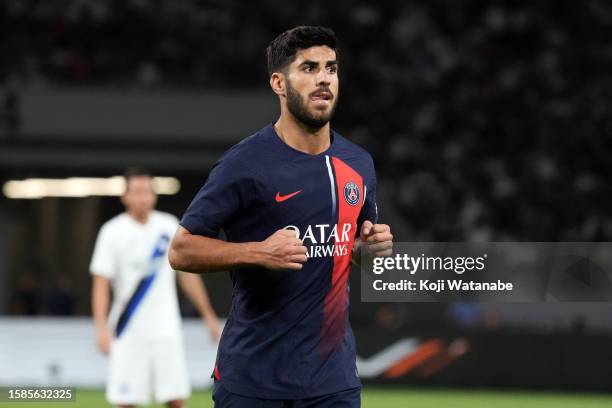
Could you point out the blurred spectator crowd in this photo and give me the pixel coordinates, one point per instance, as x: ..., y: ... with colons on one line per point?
x: 489, y: 120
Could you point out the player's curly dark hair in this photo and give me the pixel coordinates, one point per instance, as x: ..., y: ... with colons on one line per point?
x: 282, y: 50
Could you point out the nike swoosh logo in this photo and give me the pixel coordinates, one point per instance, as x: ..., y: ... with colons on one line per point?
x: 280, y: 198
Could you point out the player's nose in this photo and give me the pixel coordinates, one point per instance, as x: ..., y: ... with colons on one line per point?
x: 323, y: 78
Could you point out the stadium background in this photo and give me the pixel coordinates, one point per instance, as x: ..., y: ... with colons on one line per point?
x: 488, y: 120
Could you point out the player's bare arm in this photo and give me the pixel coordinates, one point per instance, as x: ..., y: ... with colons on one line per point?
x: 194, y: 289
x: 100, y: 299
x: 199, y: 254
x: 376, y: 239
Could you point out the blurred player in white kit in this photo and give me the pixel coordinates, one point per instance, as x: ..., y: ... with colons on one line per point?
x: 142, y: 333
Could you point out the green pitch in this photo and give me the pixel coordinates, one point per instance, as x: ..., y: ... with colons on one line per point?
x: 391, y: 398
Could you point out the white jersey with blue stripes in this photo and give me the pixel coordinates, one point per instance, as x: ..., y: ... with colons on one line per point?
x: 134, y: 257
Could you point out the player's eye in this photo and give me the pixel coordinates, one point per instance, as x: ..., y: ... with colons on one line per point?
x: 308, y: 68
x: 332, y: 69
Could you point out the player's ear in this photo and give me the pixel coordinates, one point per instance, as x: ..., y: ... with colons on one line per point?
x: 277, y: 83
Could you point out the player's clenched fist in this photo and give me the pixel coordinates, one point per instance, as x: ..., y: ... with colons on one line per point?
x: 376, y: 239
x: 281, y: 250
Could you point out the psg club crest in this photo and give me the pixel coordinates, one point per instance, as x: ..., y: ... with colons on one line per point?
x: 351, y: 193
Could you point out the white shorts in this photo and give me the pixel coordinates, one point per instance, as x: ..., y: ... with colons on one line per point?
x: 141, y: 369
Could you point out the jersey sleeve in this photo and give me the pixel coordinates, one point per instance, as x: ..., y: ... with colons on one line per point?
x: 103, y: 261
x: 227, y: 190
x: 369, y: 211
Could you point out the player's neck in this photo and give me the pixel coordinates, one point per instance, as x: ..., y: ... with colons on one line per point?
x: 138, y: 217
x: 300, y: 137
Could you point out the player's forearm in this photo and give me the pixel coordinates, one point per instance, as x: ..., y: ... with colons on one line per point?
x: 204, y: 307
x: 194, y: 288
x: 199, y: 254
x: 202, y: 302
x: 100, y: 299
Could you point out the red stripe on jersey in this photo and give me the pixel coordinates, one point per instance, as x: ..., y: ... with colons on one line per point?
x: 217, y: 375
x: 335, y: 309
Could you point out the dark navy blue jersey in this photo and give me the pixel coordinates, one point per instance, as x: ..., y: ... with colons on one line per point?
x: 287, y: 335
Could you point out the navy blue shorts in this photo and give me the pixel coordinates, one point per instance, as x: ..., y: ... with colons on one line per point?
x: 344, y: 399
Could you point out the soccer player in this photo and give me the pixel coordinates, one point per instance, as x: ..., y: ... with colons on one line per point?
x: 297, y: 203
x: 144, y: 335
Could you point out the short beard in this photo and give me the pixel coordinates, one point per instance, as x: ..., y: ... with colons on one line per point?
x: 297, y: 107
